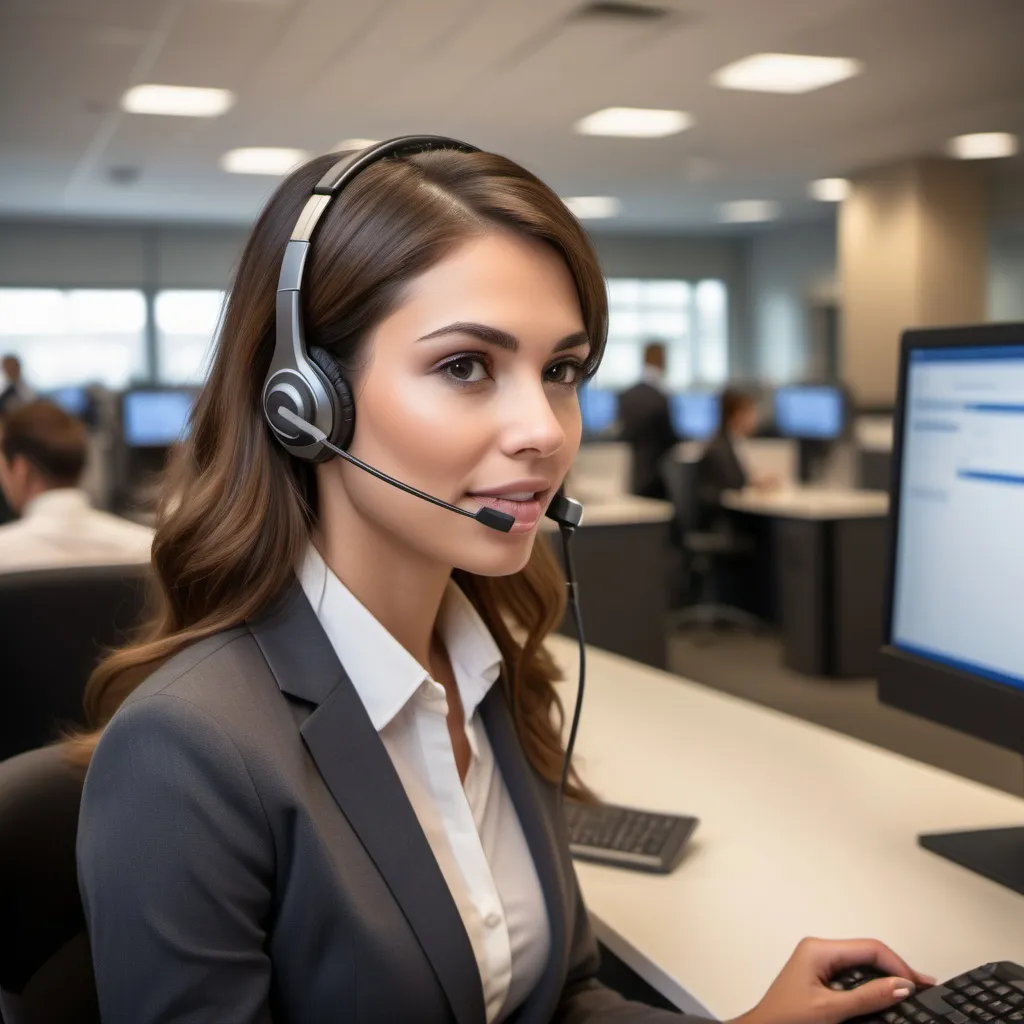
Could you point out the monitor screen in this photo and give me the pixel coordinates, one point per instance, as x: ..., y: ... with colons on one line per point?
x: 598, y: 409
x: 155, y: 419
x: 959, y: 570
x: 72, y: 400
x: 695, y: 414
x: 809, y: 412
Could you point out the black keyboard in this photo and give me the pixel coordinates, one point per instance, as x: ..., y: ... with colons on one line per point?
x: 625, y: 837
x: 993, y: 994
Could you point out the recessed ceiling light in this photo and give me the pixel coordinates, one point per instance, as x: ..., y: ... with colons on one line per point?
x: 347, y: 144
x: 262, y: 160
x: 982, y: 146
x: 177, y: 100
x: 592, y: 207
x: 748, y: 211
x: 785, y: 72
x: 829, y: 190
x: 634, y: 122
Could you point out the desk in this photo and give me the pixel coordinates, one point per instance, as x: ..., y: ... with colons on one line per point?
x: 803, y: 832
x: 621, y: 554
x: 830, y: 552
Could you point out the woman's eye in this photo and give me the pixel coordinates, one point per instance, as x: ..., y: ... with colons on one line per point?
x: 566, y: 372
x: 466, y: 370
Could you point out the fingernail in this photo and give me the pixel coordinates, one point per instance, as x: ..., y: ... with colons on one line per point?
x: 902, y: 992
x: 929, y: 979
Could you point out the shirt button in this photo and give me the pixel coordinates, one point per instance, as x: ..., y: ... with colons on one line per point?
x: 492, y: 920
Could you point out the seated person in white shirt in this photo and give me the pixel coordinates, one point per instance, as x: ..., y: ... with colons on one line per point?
x: 42, y: 456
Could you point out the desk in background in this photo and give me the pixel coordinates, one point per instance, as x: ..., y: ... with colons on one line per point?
x: 830, y: 550
x: 803, y: 832
x: 621, y: 554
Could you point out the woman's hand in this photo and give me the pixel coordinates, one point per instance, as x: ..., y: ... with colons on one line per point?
x: 801, y: 993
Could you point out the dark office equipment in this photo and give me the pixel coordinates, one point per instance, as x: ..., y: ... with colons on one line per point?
x: 991, y: 994
x: 708, y: 553
x: 155, y: 418
x: 695, y: 414
x: 954, y: 648
x: 627, y: 838
x: 598, y: 409
x: 55, y: 625
x: 45, y: 967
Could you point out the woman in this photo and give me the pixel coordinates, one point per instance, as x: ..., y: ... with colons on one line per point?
x: 334, y: 798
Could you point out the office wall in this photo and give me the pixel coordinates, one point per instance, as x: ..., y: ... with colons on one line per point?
x: 793, y: 265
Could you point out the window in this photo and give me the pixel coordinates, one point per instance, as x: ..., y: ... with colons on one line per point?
x: 186, y: 326
x: 691, y: 319
x: 83, y: 336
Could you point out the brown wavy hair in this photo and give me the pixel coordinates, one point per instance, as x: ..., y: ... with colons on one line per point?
x: 244, y: 510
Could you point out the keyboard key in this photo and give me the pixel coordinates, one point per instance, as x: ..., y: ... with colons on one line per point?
x: 890, y: 1017
x: 960, y: 982
x: 1000, y: 1007
x: 922, y: 1017
x: 973, y: 991
x: 1002, y: 990
x: 957, y: 1018
x: 1016, y: 998
x: 984, y: 998
x: 957, y: 999
x: 980, y: 973
x: 1016, y: 1015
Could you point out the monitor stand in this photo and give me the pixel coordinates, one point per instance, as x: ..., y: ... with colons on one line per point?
x: 996, y: 853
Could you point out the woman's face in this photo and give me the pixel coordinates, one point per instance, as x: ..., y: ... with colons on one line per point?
x: 468, y: 392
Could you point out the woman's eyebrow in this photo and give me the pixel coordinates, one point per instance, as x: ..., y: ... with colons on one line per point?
x: 499, y: 338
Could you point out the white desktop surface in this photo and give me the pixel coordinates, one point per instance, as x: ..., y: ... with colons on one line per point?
x: 618, y: 510
x: 803, y: 832
x: 809, y: 503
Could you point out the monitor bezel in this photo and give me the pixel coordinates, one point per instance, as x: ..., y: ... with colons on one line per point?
x: 941, y: 693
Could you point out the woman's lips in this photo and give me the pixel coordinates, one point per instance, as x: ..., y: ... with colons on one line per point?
x: 526, y: 513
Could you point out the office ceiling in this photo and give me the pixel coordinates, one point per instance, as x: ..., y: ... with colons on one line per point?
x: 508, y: 75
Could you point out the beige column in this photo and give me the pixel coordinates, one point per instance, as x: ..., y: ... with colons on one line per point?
x: 912, y: 253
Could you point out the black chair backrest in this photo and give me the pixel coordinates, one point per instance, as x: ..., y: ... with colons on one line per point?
x: 45, y: 968
x: 681, y: 485
x: 54, y: 626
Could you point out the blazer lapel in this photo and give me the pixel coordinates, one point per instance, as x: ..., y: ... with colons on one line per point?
x: 527, y: 791
x: 359, y: 773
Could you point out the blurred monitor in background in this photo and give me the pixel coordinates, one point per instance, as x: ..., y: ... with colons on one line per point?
x: 155, y: 418
x: 43, y: 452
x: 73, y: 400
x: 646, y: 424
x: 598, y: 410
x: 809, y: 412
x: 695, y: 414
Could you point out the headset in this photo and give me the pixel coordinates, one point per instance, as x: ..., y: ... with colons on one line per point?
x: 308, y: 402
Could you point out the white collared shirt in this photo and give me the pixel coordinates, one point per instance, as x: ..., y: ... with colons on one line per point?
x: 472, y: 828
x: 60, y: 528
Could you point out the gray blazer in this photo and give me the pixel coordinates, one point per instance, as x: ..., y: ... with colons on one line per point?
x: 247, y: 854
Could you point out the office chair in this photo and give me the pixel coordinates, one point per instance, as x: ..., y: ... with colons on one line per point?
x: 45, y: 966
x: 55, y: 624
x: 706, y: 552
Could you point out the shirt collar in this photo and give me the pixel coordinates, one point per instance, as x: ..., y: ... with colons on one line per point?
x: 385, y: 675
x: 60, y: 501
x: 653, y: 376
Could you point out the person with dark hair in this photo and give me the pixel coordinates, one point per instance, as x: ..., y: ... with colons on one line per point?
x: 14, y: 391
x: 720, y: 468
x: 646, y: 424
x: 326, y: 778
x: 43, y: 451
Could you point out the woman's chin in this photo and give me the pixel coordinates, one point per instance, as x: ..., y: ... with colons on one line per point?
x: 503, y: 555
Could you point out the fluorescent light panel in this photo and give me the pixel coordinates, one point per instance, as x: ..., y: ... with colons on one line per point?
x: 982, y: 146
x: 748, y: 211
x: 785, y: 72
x: 592, y: 207
x: 262, y: 160
x: 177, y: 100
x: 829, y: 190
x: 634, y: 122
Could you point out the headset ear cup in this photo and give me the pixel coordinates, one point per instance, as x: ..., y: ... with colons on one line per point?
x: 345, y: 421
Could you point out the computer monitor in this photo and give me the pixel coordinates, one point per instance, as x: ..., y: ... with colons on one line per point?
x: 155, y: 418
x: 73, y: 400
x: 598, y: 409
x: 695, y: 414
x: 954, y: 642
x: 809, y: 412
